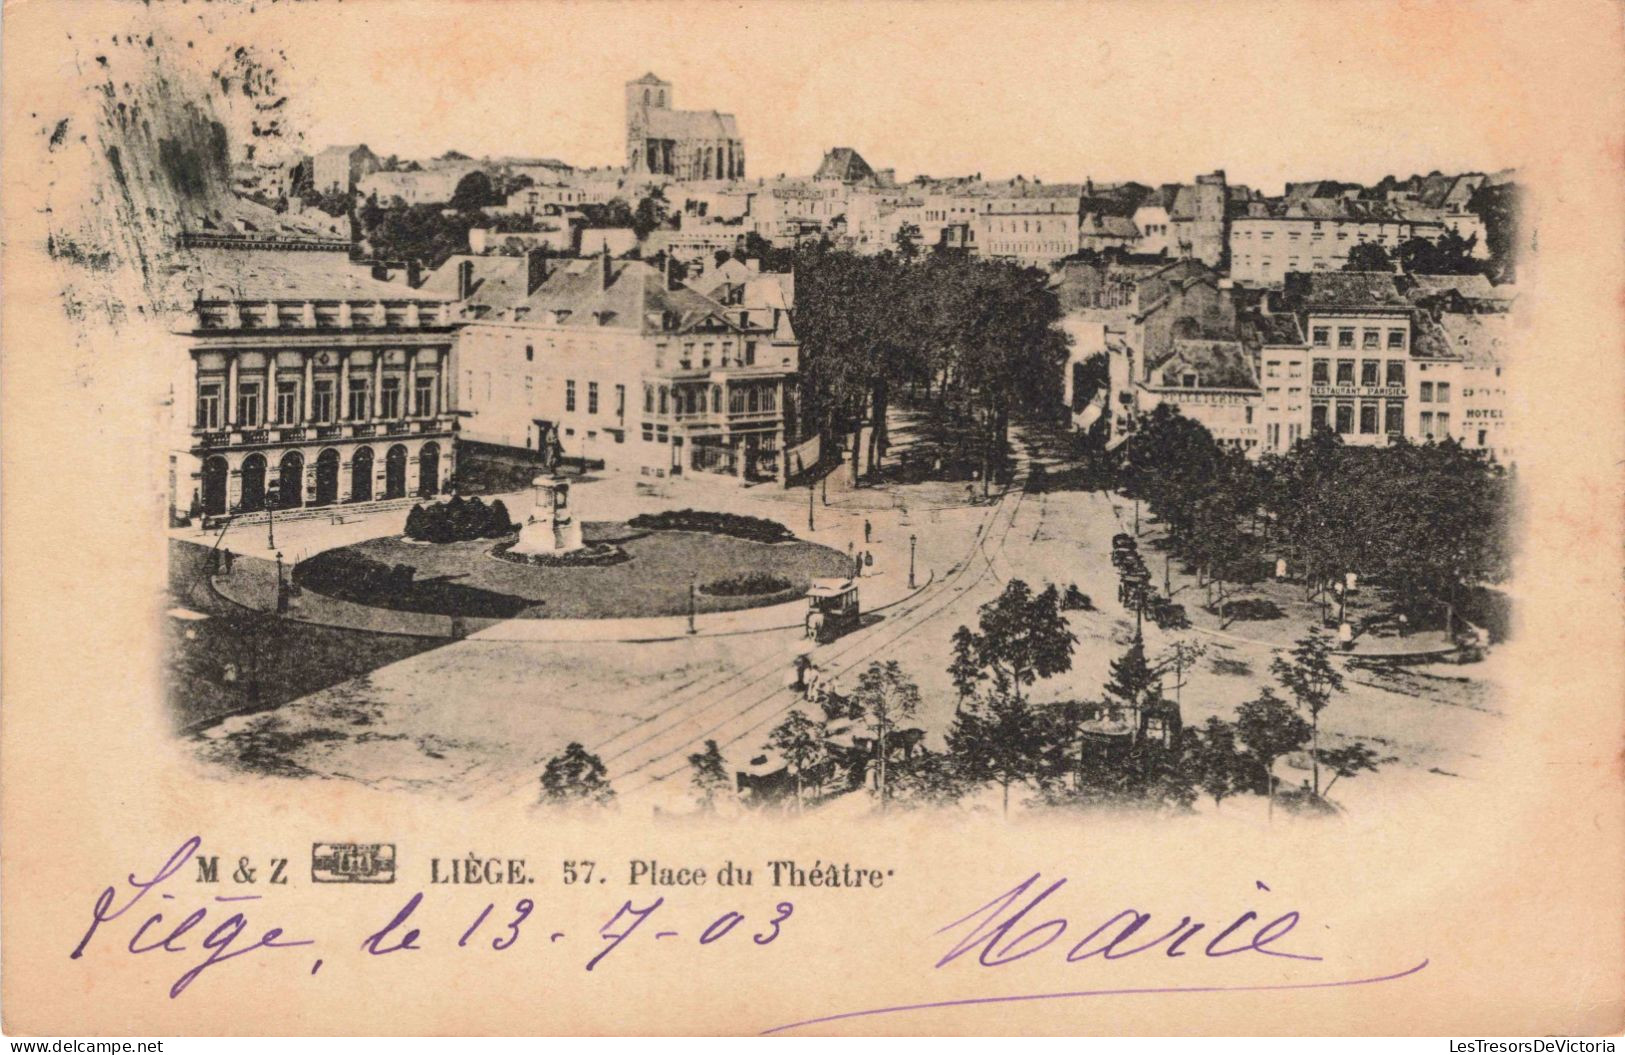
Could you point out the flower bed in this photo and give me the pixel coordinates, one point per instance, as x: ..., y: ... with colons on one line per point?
x: 756, y: 529
x: 592, y: 555
x: 752, y: 584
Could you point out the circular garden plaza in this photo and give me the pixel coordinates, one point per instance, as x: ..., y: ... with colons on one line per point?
x: 473, y: 559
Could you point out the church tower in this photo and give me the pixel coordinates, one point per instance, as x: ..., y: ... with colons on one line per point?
x: 643, y: 95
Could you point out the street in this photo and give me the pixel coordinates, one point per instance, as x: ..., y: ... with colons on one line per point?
x: 475, y: 720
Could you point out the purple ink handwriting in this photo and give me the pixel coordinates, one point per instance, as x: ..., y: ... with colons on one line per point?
x: 1023, y: 921
x: 499, y: 927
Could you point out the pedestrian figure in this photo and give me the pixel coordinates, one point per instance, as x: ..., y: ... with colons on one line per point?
x: 811, y: 679
x: 867, y: 531
x: 868, y: 559
x: 231, y: 559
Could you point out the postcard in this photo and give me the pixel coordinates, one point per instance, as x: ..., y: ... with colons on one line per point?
x: 1081, y: 518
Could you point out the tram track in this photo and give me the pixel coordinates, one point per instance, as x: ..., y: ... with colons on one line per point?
x: 700, y: 700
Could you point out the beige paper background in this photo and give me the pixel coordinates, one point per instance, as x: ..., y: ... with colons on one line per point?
x: 1512, y: 886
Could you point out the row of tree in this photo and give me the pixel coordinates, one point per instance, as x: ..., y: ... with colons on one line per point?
x: 1429, y: 521
x: 979, y: 338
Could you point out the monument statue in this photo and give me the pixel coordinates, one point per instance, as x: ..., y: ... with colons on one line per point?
x: 551, y: 529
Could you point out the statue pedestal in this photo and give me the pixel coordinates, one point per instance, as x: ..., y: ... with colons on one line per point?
x: 551, y: 529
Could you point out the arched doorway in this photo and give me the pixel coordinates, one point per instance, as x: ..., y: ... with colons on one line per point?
x: 253, y: 499
x: 361, y: 475
x: 395, y: 472
x: 327, y: 477
x: 290, y: 486
x: 214, y: 486
x: 429, y: 470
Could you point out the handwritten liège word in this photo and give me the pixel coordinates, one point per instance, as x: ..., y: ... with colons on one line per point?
x: 498, y: 928
x: 157, y: 934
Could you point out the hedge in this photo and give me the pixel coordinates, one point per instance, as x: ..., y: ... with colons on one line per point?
x: 756, y: 529
x: 459, y: 520
x: 751, y: 584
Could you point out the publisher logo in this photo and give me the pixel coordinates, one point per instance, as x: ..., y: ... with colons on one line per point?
x: 352, y: 862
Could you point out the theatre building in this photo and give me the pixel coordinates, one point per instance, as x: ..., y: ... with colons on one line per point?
x: 315, y: 384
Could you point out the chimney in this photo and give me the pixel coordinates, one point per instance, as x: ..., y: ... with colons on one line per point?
x: 380, y: 272
x: 414, y: 274
x: 607, y: 276
x: 465, y: 279
x: 536, y: 270
x: 665, y: 268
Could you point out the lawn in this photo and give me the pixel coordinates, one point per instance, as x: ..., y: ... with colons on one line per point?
x: 655, y: 580
x: 239, y: 660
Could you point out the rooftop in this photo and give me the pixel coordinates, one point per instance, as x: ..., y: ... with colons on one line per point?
x: 1216, y: 364
x: 259, y: 274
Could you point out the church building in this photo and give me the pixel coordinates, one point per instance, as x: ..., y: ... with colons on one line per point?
x: 683, y: 144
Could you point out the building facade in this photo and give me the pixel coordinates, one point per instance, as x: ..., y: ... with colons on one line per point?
x: 314, y: 386
x: 1210, y: 382
x: 336, y: 170
x: 1316, y: 237
x: 1031, y: 223
x: 608, y: 361
x: 682, y: 144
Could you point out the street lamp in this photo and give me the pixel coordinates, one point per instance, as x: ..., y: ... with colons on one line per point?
x: 270, y: 514
x: 693, y: 598
x: 281, y: 592
x: 809, y: 506
x: 911, y: 562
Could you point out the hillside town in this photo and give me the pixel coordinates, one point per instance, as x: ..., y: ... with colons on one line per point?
x: 1275, y: 425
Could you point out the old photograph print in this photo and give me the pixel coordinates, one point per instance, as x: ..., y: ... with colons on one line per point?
x: 623, y: 438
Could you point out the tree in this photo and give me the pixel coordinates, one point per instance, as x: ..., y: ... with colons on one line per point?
x: 800, y: 741
x: 929, y: 779
x: 1368, y: 256
x: 885, y: 696
x: 575, y: 777
x: 1450, y: 254
x: 1270, y: 728
x: 1022, y: 638
x: 999, y: 739
x: 708, y: 775
x: 1311, y: 679
x: 473, y: 193
x: 1131, y: 680
x: 652, y: 213
x: 1180, y: 657
x: 966, y: 668
x: 1218, y: 762
x: 1089, y: 377
x: 908, y: 241
x: 1350, y: 761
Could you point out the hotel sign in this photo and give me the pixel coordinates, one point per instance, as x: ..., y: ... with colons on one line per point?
x: 1351, y: 391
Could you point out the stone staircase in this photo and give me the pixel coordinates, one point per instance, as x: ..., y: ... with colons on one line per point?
x: 338, y: 513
